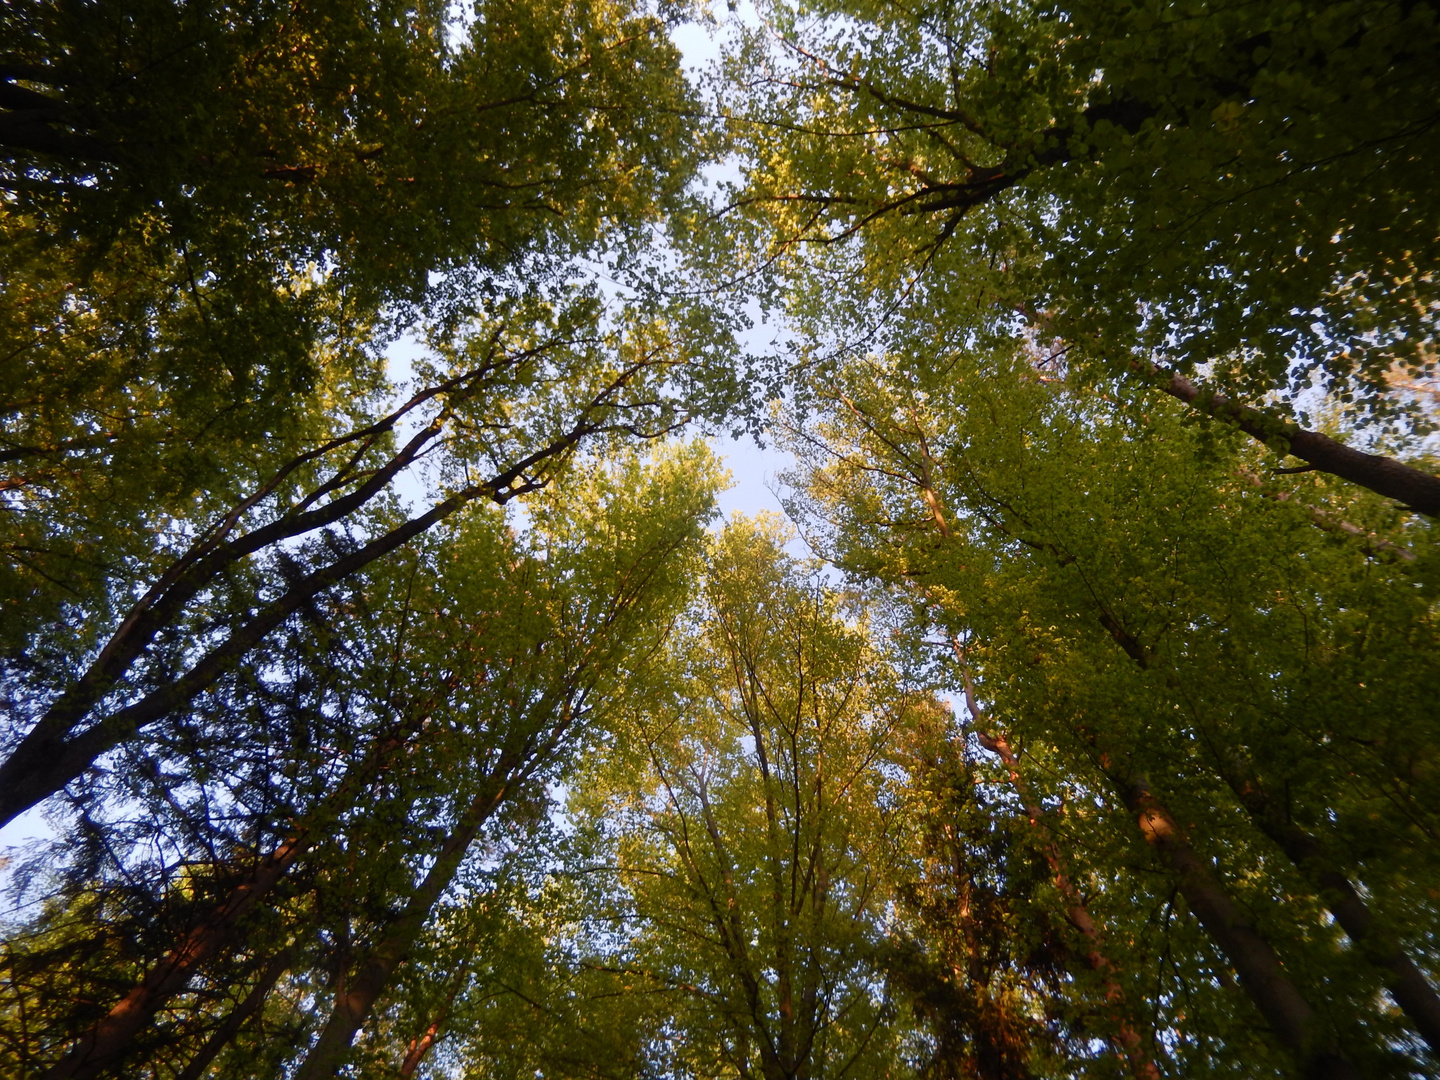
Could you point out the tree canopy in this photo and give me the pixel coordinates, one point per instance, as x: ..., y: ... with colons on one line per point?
x: 390, y: 699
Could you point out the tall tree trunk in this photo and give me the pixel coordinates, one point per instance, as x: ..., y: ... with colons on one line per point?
x: 105, y: 1043
x: 42, y: 763
x: 356, y: 999
x: 111, y: 1036
x: 1416, y: 489
x: 1403, y: 978
x: 1289, y: 1015
x: 1126, y: 1039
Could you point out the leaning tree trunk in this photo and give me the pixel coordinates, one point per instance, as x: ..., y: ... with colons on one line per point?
x: 1414, y: 488
x: 110, y: 1038
x: 1404, y: 979
x: 356, y: 1000
x: 1126, y: 1039
x: 1289, y: 1015
x: 230, y: 1027
x: 107, y: 1041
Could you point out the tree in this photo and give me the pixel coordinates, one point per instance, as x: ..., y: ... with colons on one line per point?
x: 173, y: 317
x: 389, y: 145
x: 1163, y: 192
x: 195, y: 379
x: 753, y: 829
x: 511, y: 410
x: 528, y: 641
x: 981, y: 955
x: 1143, y: 609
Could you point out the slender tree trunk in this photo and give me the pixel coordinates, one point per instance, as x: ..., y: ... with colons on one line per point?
x: 355, y: 1001
x: 108, y: 1040
x: 1403, y: 978
x: 417, y: 1050
x: 420, y: 1046
x: 1127, y: 1040
x: 1416, y: 489
x: 1371, y: 544
x: 238, y: 1015
x: 1290, y: 1016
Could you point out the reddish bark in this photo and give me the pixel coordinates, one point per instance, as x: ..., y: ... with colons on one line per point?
x: 418, y: 1049
x: 107, y: 1041
x: 1127, y: 1040
x: 104, y: 1043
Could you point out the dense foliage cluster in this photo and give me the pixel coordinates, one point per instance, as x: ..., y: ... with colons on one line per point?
x: 384, y: 698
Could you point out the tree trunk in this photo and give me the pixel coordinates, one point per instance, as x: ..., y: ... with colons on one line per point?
x: 105, y: 1043
x: 1416, y: 489
x: 1404, y: 979
x: 417, y: 1050
x: 43, y: 763
x: 1290, y: 1016
x: 108, y: 1040
x: 1126, y: 1039
x: 356, y: 999
x: 419, y: 1047
x: 1288, y: 1013
x: 51, y: 755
